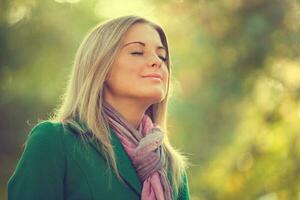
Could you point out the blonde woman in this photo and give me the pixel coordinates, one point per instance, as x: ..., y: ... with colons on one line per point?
x: 107, y: 140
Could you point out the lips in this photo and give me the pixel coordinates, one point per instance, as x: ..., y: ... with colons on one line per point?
x: 153, y: 76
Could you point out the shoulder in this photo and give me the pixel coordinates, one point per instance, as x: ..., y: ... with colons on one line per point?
x: 43, y: 153
x: 42, y: 159
x: 43, y: 128
x: 44, y: 141
x: 45, y: 134
x: 52, y: 138
x: 50, y: 132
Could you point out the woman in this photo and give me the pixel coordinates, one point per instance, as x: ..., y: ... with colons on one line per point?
x: 108, y: 138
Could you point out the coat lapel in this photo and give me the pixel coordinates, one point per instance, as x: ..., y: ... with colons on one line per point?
x: 124, y: 164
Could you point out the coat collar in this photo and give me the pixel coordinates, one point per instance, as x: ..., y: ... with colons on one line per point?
x: 124, y: 164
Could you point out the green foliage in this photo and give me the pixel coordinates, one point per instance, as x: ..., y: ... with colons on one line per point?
x: 236, y: 77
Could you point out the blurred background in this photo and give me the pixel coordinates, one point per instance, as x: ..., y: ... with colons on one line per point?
x: 235, y: 106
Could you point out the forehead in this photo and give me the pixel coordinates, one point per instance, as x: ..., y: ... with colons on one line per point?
x: 142, y: 32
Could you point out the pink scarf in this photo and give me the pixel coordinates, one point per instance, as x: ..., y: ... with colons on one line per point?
x: 144, y: 147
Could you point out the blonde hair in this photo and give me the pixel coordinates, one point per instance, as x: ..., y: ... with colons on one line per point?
x: 84, y: 94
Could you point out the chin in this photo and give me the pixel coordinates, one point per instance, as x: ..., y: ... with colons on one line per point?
x: 155, y: 97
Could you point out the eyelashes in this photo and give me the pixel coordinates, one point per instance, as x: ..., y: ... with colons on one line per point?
x: 137, y: 53
x: 164, y: 59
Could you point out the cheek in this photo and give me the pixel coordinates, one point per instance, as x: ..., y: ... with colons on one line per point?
x: 124, y: 76
x: 129, y: 68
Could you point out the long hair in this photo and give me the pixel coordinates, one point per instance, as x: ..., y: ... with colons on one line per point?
x: 83, y: 97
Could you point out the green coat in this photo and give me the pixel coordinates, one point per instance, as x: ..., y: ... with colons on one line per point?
x: 57, y: 164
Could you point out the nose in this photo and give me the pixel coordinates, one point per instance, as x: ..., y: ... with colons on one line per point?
x: 155, y: 61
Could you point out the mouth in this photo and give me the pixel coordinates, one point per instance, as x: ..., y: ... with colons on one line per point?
x: 156, y: 79
x: 153, y: 77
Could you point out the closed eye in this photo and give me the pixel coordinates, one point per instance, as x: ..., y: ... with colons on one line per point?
x: 164, y: 59
x: 137, y: 53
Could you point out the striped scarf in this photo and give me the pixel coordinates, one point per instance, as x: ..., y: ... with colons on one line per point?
x: 144, y: 147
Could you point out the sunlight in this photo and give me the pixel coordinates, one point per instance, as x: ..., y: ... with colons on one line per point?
x: 17, y: 14
x: 67, y: 1
x: 116, y: 8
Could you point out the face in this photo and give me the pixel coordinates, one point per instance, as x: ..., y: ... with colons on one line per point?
x: 139, y: 71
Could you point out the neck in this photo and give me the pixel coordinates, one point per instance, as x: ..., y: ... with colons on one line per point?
x: 131, y: 110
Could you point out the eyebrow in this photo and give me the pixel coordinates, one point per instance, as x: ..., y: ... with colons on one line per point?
x: 143, y: 44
